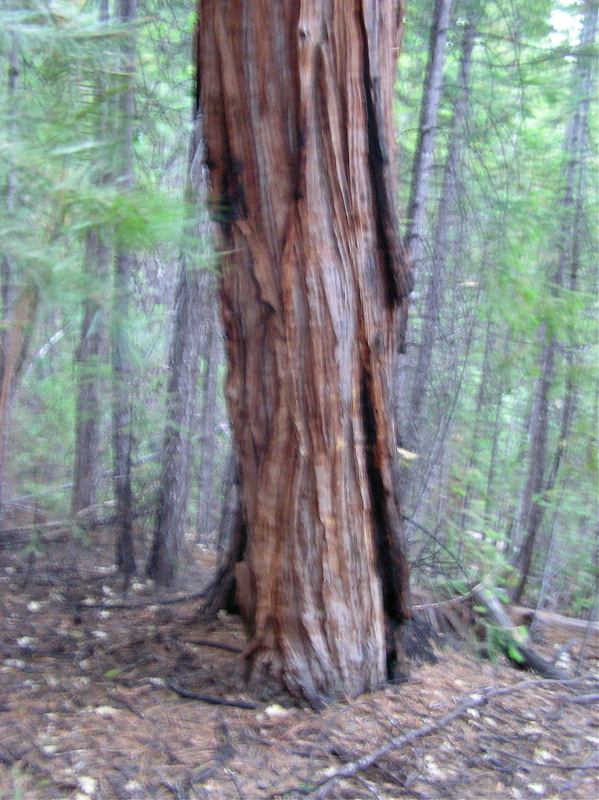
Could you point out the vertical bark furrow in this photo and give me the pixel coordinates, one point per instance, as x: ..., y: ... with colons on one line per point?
x: 396, y: 271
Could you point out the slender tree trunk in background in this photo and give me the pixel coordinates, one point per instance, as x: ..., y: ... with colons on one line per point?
x: 479, y: 414
x: 195, y: 298
x: 532, y: 506
x: 232, y: 543
x: 495, y: 433
x: 90, y: 353
x: 176, y: 459
x: 89, y: 358
x: 8, y: 333
x: 121, y: 421
x: 489, y: 497
x: 213, y: 359
x: 549, y: 570
x: 572, y: 202
x: 427, y: 130
x: 430, y: 314
x: 14, y: 346
x: 10, y: 192
x: 19, y: 304
x: 121, y: 365
x: 299, y: 131
x: 439, y: 457
x: 173, y: 492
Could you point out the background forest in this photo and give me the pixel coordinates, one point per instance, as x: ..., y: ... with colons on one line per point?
x: 101, y: 219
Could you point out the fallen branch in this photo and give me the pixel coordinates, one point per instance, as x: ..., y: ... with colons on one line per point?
x: 220, y: 645
x: 35, y: 527
x: 583, y: 699
x: 583, y: 632
x: 207, y: 698
x: 452, y: 601
x: 42, y: 531
x: 169, y: 601
x: 321, y: 788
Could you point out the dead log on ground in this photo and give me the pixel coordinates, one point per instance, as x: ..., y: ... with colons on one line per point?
x: 562, y: 628
x: 516, y: 644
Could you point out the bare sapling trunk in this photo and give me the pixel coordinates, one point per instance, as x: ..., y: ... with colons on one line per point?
x: 121, y: 363
x: 122, y: 421
x: 533, y: 505
x: 427, y: 129
x: 194, y: 298
x: 89, y: 358
x: 299, y: 132
x: 90, y: 354
x: 213, y: 359
x: 19, y: 302
x: 176, y: 459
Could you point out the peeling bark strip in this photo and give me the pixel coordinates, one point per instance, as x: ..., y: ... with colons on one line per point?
x: 297, y: 103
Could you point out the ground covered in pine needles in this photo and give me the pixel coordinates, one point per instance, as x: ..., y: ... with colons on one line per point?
x: 91, y: 705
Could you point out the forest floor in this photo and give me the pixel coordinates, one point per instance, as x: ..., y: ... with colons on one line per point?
x: 87, y: 712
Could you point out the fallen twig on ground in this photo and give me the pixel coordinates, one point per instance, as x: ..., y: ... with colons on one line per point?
x: 206, y: 698
x: 219, y: 645
x: 169, y: 601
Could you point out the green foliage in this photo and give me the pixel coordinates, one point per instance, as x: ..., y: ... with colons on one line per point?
x: 499, y: 641
x: 59, y: 149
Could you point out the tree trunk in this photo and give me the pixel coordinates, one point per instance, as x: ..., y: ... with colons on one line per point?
x: 207, y: 424
x: 89, y: 358
x: 90, y: 353
x: 480, y: 419
x: 19, y: 303
x: 9, y: 333
x: 427, y: 129
x: 193, y: 315
x: 232, y: 544
x: 299, y: 131
x: 121, y: 421
x: 533, y: 506
x: 491, y: 506
x: 122, y: 413
x: 176, y: 458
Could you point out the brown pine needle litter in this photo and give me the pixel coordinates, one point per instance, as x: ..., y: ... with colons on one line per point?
x: 86, y: 710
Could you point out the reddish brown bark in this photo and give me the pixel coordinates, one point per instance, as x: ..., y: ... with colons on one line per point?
x: 298, y: 123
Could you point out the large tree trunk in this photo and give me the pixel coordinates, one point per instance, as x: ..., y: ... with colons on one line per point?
x: 299, y: 131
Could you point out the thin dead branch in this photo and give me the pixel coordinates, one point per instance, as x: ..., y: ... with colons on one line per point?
x: 206, y: 698
x: 103, y: 606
